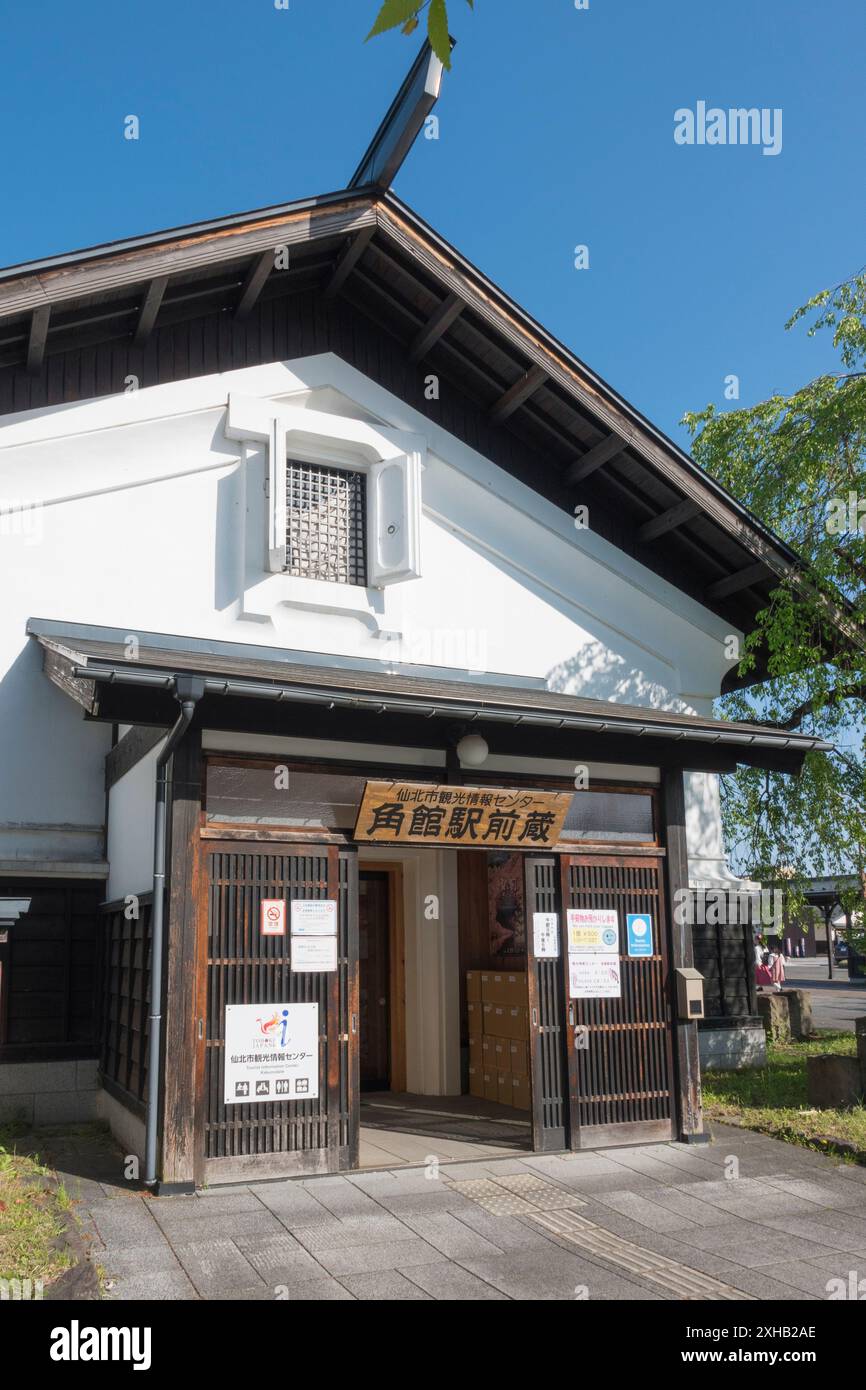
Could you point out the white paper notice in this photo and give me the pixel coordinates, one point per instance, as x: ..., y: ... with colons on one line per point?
x: 271, y: 1053
x: 314, y: 917
x: 594, y: 976
x: 545, y: 934
x: 312, y: 953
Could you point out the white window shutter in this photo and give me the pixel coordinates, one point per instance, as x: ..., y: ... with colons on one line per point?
x: 277, y: 497
x: 394, y: 520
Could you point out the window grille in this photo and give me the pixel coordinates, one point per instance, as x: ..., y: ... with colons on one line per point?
x: 326, y: 523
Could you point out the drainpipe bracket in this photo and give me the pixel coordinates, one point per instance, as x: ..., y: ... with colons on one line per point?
x: 189, y: 687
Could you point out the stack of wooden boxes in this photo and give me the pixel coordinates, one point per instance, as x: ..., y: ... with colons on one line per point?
x: 498, y: 1012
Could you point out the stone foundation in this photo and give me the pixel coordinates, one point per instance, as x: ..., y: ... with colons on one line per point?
x: 732, y: 1044
x: 49, y: 1093
x: 127, y: 1128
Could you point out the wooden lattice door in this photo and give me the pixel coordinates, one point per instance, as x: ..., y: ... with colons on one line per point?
x: 619, y: 1049
x: 547, y: 1015
x: 241, y: 965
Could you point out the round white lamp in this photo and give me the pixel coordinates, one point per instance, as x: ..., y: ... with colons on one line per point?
x: 472, y: 750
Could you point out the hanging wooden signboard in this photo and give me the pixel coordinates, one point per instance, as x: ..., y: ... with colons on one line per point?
x: 409, y: 813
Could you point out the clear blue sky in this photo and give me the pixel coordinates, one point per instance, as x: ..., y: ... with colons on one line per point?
x: 556, y: 129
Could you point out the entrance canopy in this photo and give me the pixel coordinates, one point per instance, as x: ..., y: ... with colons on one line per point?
x: 124, y: 678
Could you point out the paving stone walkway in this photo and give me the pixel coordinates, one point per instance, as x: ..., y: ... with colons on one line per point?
x: 744, y: 1217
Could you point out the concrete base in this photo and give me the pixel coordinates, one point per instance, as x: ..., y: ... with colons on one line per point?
x: 127, y: 1128
x: 733, y: 1046
x: 49, y: 1093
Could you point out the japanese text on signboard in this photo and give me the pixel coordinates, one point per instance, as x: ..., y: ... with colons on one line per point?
x: 410, y: 813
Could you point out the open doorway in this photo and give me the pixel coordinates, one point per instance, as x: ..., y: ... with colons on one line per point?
x: 399, y: 1126
x: 374, y: 980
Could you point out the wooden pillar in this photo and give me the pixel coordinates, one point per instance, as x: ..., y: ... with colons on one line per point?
x: 685, y: 1033
x: 181, y: 1006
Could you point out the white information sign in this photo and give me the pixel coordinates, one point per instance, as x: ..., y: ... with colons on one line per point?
x: 312, y: 953
x: 594, y: 976
x: 593, y: 929
x: 271, y: 1053
x: 545, y: 931
x: 314, y: 917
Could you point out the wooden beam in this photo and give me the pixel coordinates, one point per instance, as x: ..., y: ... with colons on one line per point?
x: 184, y: 1002
x: 254, y: 283
x: 595, y: 459
x: 349, y: 259
x: 668, y: 521
x: 136, y: 743
x: 438, y: 323
x: 149, y: 309
x: 687, y: 1063
x: 514, y: 397
x: 403, y: 122
x: 37, y: 339
x: 742, y: 580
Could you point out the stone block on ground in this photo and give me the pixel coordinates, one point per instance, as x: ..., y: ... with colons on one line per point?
x: 799, y: 1012
x: 774, y: 1012
x: 833, y: 1082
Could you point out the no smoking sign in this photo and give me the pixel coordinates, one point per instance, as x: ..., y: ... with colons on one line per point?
x: 273, y: 918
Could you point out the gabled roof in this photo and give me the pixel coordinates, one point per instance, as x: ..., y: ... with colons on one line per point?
x: 543, y: 413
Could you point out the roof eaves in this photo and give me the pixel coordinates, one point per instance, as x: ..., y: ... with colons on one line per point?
x: 505, y: 303
x: 186, y: 230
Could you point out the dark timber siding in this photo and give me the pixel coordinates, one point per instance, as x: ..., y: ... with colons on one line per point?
x: 50, y: 971
x: 725, y: 956
x: 125, y: 1000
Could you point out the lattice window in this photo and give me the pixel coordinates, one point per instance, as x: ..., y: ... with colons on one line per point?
x: 326, y: 523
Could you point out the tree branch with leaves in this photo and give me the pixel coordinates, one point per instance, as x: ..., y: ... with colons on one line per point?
x: 799, y: 463
x: 405, y: 15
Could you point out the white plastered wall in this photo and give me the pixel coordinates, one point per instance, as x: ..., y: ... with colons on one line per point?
x: 508, y: 585
x: 131, y: 806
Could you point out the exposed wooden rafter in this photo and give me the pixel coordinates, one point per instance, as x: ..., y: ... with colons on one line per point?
x: 743, y: 579
x: 150, y: 307
x: 349, y: 259
x: 438, y: 323
x: 37, y: 338
x: 603, y: 452
x: 514, y: 397
x: 676, y: 516
x: 254, y: 283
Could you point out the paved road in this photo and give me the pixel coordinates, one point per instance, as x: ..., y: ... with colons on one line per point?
x: 663, y: 1221
x: 835, y: 1003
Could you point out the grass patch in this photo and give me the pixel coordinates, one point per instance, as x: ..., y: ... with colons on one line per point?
x: 31, y: 1221
x: 773, y: 1099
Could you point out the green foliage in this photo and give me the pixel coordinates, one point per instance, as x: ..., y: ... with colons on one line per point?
x: 31, y: 1226
x: 405, y: 15
x: 799, y: 463
x: 774, y: 1099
